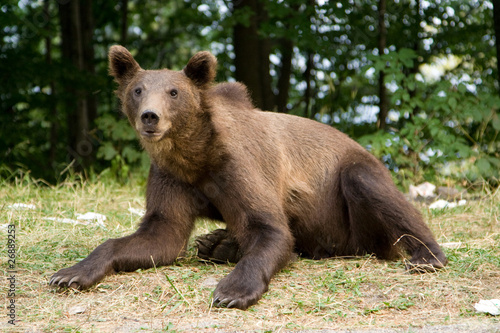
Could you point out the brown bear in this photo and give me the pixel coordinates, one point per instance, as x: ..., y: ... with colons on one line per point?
x: 281, y: 183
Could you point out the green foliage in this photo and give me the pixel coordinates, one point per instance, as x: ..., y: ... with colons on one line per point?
x: 120, y: 147
x: 440, y: 126
x: 439, y: 64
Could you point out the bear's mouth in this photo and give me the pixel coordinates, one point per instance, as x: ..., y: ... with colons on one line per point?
x: 152, y: 135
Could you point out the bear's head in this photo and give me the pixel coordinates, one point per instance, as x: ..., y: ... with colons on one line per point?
x: 160, y: 102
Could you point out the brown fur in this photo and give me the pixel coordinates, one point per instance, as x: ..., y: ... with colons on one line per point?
x: 280, y: 183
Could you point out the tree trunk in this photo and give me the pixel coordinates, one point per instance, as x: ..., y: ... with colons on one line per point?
x: 382, y: 93
x: 284, y: 75
x: 308, y: 74
x: 416, y: 48
x: 53, y: 137
x: 252, y: 54
x: 87, y: 29
x: 124, y: 22
x: 77, y: 51
x: 496, y: 19
x: 308, y: 78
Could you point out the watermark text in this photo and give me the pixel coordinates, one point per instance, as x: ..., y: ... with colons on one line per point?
x: 11, y: 274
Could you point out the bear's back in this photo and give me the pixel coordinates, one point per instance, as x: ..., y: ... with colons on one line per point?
x: 243, y: 123
x: 233, y: 93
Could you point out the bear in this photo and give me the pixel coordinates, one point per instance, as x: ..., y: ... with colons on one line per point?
x: 283, y: 185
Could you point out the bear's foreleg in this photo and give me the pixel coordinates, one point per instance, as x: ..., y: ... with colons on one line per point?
x: 266, y: 246
x: 171, y: 209
x: 155, y: 243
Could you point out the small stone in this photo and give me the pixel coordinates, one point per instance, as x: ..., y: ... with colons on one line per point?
x: 209, y: 282
x: 449, y: 192
x: 76, y: 310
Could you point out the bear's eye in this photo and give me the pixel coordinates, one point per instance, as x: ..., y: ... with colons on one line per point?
x: 137, y: 91
x: 173, y: 93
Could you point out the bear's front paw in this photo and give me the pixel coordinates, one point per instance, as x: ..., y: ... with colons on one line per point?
x: 238, y: 291
x: 218, y: 246
x: 80, y: 276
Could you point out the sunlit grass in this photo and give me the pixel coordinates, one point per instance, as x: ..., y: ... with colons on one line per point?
x: 336, y: 293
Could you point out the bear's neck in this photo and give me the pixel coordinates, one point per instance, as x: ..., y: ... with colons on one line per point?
x: 186, y: 152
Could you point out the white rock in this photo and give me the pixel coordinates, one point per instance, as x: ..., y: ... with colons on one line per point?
x: 451, y: 245
x: 137, y: 211
x: 85, y: 219
x: 90, y: 216
x: 425, y: 190
x: 441, y: 204
x: 21, y: 206
x: 491, y: 306
x: 64, y: 220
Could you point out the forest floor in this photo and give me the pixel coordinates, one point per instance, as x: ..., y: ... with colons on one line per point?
x: 335, y: 295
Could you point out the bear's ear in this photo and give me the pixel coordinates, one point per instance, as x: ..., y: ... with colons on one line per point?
x: 122, y: 65
x: 201, y: 68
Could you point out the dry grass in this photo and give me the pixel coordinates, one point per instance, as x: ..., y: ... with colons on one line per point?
x: 361, y: 293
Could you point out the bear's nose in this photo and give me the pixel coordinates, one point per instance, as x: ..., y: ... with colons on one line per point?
x: 149, y: 118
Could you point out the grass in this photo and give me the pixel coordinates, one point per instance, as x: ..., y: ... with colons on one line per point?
x: 360, y: 293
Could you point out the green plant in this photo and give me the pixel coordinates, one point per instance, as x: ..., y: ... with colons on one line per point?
x: 121, y: 148
x: 436, y: 128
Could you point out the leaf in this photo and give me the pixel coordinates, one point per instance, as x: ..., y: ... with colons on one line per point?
x: 483, y: 165
x: 464, y: 151
x: 434, y: 130
x: 452, y: 102
x: 406, y: 56
x: 107, y: 151
x: 476, y: 114
x: 462, y: 89
x: 495, y: 161
x: 407, y: 53
x: 407, y: 62
x: 379, y: 65
x: 130, y: 154
x: 496, y: 122
x: 411, y: 85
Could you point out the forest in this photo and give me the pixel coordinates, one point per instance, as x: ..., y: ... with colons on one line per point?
x: 416, y: 82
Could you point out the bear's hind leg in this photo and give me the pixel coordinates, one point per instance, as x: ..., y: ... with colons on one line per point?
x: 380, y: 219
